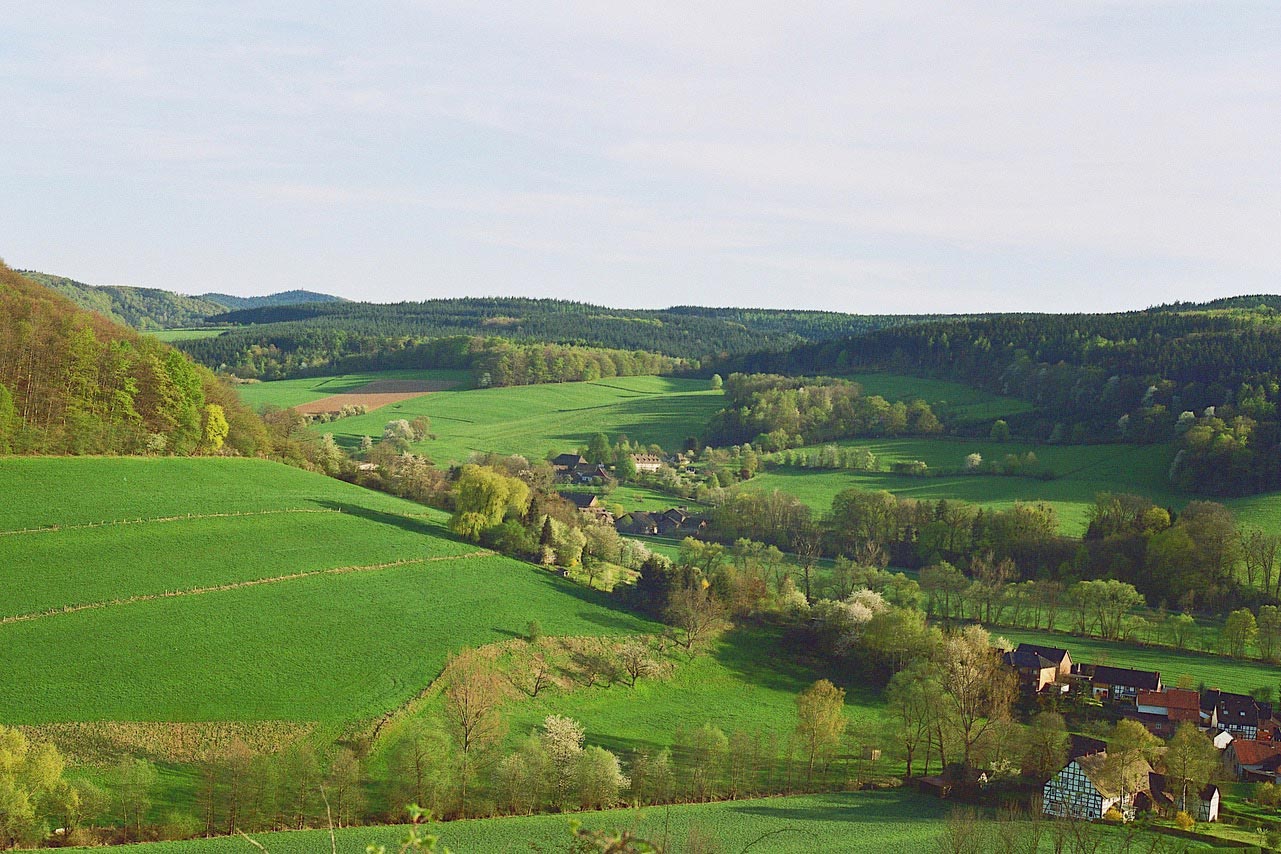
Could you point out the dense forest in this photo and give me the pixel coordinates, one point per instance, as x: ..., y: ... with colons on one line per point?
x: 308, y: 335
x: 72, y: 381
x: 1206, y: 379
x: 152, y: 308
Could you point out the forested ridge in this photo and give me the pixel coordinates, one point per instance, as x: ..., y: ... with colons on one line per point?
x: 1208, y: 379
x: 71, y: 381
x: 300, y: 337
x: 154, y: 308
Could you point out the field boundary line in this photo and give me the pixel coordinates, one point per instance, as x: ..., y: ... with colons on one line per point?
x: 186, y: 517
x: 238, y: 585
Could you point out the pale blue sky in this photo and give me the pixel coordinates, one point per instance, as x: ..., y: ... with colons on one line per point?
x: 859, y: 157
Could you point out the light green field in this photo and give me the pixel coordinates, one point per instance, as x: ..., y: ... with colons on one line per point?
x: 320, y: 646
x: 286, y: 393
x: 170, y: 335
x: 642, y: 498
x: 541, y: 419
x: 890, y: 822
x: 745, y: 683
x: 965, y: 403
x: 1212, y: 671
x: 1082, y: 471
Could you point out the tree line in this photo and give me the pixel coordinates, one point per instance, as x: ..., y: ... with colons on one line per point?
x: 1148, y: 376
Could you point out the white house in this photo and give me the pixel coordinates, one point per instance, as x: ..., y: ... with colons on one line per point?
x: 1084, y: 790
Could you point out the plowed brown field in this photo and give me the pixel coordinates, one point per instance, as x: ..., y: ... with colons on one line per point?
x: 375, y: 394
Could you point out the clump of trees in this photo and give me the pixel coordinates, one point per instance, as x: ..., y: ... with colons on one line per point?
x: 774, y: 412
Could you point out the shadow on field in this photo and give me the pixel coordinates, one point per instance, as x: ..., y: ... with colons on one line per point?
x: 861, y: 807
x: 611, y: 616
x: 413, y: 526
x: 755, y: 654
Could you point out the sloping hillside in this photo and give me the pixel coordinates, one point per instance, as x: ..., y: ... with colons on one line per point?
x: 72, y: 381
x: 153, y: 308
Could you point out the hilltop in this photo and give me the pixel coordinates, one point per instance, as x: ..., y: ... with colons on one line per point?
x: 72, y: 381
x: 154, y: 308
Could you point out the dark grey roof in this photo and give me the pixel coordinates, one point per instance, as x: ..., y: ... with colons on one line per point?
x: 1053, y: 653
x: 1146, y: 679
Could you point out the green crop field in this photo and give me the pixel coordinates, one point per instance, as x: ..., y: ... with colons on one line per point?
x: 302, y: 616
x: 896, y: 821
x: 285, y: 393
x: 541, y: 419
x: 965, y: 403
x: 187, y: 334
x: 1212, y: 671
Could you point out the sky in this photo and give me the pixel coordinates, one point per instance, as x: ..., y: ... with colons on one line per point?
x: 860, y: 157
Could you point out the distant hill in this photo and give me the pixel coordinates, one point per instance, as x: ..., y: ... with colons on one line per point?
x: 153, y: 308
x: 72, y: 381
x: 234, y: 303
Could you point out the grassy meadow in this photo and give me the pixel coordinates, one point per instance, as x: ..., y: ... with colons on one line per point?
x: 541, y: 419
x: 963, y: 403
x: 889, y: 822
x: 303, y: 616
x: 171, y: 335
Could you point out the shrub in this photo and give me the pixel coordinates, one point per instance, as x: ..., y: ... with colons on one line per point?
x: 1184, y: 821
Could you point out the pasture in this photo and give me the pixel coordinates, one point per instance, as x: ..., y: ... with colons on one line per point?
x: 887, y: 822
x: 1082, y: 471
x: 960, y: 403
x: 746, y: 682
x: 538, y: 420
x: 315, y: 616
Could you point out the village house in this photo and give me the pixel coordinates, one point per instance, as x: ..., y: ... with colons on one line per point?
x: 1202, y: 805
x: 1162, y: 711
x: 647, y: 463
x: 568, y: 462
x: 1035, y: 671
x: 1085, y: 789
x: 1239, y: 714
x: 638, y: 522
x: 1121, y: 684
x: 1060, y: 658
x: 589, y: 505
x: 1253, y: 761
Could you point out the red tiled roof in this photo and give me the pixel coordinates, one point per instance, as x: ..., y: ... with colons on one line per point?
x: 1254, y: 752
x: 1183, y: 705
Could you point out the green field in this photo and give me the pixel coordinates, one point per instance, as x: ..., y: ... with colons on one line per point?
x: 1227, y: 674
x: 170, y: 335
x: 963, y: 403
x: 541, y: 419
x: 895, y: 821
x: 1082, y: 471
x: 286, y: 393
x: 745, y: 683
x: 318, y: 646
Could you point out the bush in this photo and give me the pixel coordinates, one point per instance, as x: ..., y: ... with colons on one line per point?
x: 1184, y: 821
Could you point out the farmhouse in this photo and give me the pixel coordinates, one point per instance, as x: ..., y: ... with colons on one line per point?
x: 1239, y: 714
x: 1036, y: 672
x: 1202, y: 805
x: 648, y: 463
x: 1253, y: 761
x: 589, y: 504
x: 1120, y: 684
x: 1162, y: 711
x: 638, y: 522
x: 568, y: 462
x: 1086, y: 788
x: 1060, y: 658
